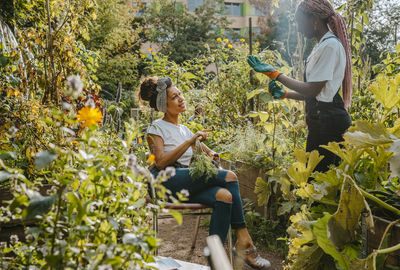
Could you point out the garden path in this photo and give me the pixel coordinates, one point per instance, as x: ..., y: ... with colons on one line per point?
x: 177, y: 239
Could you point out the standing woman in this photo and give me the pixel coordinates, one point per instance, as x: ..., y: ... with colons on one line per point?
x: 172, y: 144
x: 327, y: 69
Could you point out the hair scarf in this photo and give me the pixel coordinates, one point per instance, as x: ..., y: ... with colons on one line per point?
x: 161, y: 101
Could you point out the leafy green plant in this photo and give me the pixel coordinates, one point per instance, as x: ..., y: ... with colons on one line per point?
x: 335, y: 200
x: 202, y: 165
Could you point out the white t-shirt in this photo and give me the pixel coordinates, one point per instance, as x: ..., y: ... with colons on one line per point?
x: 172, y: 135
x: 327, y: 62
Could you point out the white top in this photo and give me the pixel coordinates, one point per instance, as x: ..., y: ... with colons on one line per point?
x: 327, y: 62
x: 172, y: 135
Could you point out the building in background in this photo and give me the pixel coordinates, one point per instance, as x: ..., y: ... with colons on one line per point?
x: 238, y: 13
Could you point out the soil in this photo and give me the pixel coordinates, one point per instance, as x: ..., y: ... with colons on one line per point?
x: 177, y: 241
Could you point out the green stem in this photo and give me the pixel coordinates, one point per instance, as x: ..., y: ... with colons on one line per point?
x: 53, y: 240
x: 380, y: 202
x: 388, y: 250
x: 273, y: 133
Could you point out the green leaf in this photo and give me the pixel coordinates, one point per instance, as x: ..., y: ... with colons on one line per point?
x: 130, y: 238
x: 256, y: 92
x: 308, y: 258
x: 151, y: 241
x: 4, y: 60
x: 368, y: 263
x: 386, y: 91
x: 263, y: 116
x: 349, y: 155
x: 44, y: 158
x: 302, y: 169
x: 321, y: 234
x: 4, y: 175
x: 38, y: 205
x: 190, y: 76
x: 177, y: 216
x: 342, y: 225
x: 366, y: 134
x: 263, y: 191
x: 285, y: 208
x: 77, y: 204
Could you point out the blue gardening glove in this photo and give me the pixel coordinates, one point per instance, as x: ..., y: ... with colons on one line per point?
x: 276, y: 91
x: 264, y: 68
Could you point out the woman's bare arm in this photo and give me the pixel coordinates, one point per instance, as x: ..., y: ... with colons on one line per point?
x: 304, y: 89
x: 162, y: 159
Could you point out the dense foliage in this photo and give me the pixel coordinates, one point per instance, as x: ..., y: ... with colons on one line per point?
x: 74, y: 163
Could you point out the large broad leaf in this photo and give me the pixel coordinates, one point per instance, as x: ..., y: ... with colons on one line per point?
x: 4, y: 175
x: 264, y: 116
x: 256, y: 92
x: 395, y: 160
x: 386, y: 91
x: 44, y: 158
x: 77, y: 206
x: 349, y: 155
x: 343, y: 224
x: 396, y: 128
x: 364, y: 264
x: 38, y: 204
x: 263, y: 190
x: 321, y: 234
x: 366, y: 134
x: 302, y: 169
x: 308, y: 258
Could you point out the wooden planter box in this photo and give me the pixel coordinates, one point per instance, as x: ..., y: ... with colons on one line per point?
x: 16, y: 227
x: 393, y: 238
x: 247, y: 175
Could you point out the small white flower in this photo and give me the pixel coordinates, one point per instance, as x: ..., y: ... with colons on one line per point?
x: 105, y: 267
x: 90, y: 103
x: 12, y: 130
x: 14, y: 239
x: 66, y: 106
x: 132, y: 162
x: 74, y: 86
x: 170, y: 172
x: 185, y: 192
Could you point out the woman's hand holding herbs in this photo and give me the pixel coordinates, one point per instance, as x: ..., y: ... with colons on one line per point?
x: 202, y: 135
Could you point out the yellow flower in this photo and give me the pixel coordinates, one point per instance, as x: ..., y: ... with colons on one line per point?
x: 140, y: 140
x: 242, y: 40
x: 219, y: 39
x: 153, y: 53
x: 230, y: 46
x: 151, y: 158
x: 89, y: 116
x: 150, y: 49
x: 257, y: 43
x: 142, y: 56
x: 226, y: 40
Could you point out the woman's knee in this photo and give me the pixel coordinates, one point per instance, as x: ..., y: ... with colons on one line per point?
x: 223, y: 195
x: 231, y: 176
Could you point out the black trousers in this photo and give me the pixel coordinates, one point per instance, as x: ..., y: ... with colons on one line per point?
x: 327, y: 122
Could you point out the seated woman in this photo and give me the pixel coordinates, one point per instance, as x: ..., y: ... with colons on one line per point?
x: 172, y: 144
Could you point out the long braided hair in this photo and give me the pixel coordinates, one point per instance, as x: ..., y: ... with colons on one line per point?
x: 325, y: 11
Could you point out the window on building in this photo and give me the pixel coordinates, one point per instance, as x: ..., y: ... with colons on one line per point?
x: 256, y: 12
x: 232, y: 9
x: 193, y: 4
